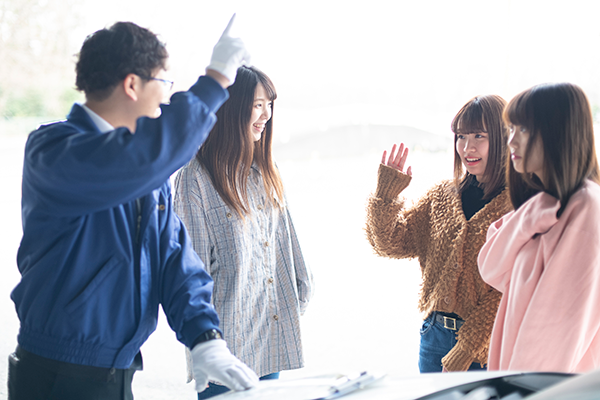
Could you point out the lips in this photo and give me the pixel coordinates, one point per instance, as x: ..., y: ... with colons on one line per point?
x: 259, y: 127
x: 472, y: 160
x: 514, y: 156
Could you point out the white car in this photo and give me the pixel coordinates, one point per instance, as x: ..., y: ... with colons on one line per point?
x: 433, y: 386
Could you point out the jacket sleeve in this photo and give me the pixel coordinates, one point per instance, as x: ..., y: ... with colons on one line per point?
x: 393, y: 230
x: 186, y: 286
x: 474, y: 335
x: 189, y: 207
x: 73, y: 169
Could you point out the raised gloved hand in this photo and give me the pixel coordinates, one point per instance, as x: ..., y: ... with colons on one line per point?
x: 229, y: 54
x: 213, y: 360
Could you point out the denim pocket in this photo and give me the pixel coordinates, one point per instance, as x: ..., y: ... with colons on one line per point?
x: 427, y: 324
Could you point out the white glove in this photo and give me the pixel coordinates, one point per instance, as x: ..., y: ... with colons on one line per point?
x: 229, y: 54
x: 212, y: 359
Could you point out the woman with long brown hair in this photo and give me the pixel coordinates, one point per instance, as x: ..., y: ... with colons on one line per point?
x: 445, y: 231
x: 231, y: 198
x: 545, y: 256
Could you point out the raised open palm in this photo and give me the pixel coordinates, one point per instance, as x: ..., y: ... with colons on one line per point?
x: 397, y: 160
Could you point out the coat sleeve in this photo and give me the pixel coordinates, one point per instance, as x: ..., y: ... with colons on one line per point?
x: 393, y: 230
x: 474, y: 335
x: 506, y: 236
x: 561, y: 320
x: 74, y: 170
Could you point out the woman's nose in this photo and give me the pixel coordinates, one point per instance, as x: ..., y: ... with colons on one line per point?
x: 469, y: 145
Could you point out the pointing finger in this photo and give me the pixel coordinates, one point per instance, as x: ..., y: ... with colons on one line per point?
x: 229, y: 25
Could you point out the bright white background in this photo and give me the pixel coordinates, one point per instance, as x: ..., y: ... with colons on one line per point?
x: 334, y: 63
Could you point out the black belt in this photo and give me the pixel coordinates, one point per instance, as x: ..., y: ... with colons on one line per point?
x: 447, y: 322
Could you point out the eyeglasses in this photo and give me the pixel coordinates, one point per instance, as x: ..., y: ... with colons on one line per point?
x: 168, y: 84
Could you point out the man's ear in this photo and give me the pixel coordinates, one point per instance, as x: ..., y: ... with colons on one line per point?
x: 131, y: 84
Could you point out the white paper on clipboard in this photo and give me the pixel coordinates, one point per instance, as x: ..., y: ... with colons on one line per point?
x: 316, y: 388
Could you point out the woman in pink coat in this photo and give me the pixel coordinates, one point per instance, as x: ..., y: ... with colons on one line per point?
x: 545, y: 256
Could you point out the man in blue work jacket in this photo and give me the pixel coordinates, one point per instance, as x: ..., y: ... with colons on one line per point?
x: 101, y: 246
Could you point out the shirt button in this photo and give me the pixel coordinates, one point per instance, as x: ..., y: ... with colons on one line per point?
x: 161, y: 207
x: 266, y: 244
x: 275, y: 317
x: 228, y: 215
x: 270, y: 280
x: 259, y: 207
x: 446, y: 300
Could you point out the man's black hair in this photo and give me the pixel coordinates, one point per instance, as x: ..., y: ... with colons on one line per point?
x: 109, y: 55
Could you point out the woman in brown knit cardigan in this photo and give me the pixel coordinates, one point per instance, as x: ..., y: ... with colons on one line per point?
x: 445, y: 231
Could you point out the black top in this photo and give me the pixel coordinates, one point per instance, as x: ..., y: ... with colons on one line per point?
x: 472, y: 199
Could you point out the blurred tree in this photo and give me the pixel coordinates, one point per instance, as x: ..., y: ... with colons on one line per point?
x: 37, y: 54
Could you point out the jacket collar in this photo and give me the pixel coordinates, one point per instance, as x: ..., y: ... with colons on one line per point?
x: 80, y: 118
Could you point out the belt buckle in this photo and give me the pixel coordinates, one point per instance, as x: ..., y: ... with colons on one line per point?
x: 453, y: 327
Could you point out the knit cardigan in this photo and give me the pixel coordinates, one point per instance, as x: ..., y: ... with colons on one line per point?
x: 436, y: 231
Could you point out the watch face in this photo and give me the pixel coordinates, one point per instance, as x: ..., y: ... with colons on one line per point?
x: 208, y: 335
x: 214, y: 334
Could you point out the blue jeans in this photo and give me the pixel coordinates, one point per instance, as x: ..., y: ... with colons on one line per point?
x: 214, y: 389
x: 436, y: 342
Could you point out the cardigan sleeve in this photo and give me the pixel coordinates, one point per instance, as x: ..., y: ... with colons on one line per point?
x: 393, y: 230
x: 474, y: 336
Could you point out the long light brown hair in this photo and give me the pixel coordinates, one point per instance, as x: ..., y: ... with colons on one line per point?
x: 560, y: 115
x: 483, y: 114
x: 229, y: 151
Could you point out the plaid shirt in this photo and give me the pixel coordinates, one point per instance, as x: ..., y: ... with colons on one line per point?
x: 262, y: 284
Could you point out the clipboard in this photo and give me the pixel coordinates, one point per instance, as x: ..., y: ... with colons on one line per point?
x: 350, y: 384
x: 315, y: 388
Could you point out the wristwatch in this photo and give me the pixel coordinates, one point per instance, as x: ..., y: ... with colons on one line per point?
x: 210, y: 334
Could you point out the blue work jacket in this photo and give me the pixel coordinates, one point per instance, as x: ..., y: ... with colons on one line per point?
x: 102, y: 246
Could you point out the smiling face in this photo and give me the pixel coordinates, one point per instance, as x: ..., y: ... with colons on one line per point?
x: 517, y: 142
x: 473, y: 149
x: 261, y: 112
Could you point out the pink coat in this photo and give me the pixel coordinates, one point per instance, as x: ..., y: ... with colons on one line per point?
x: 548, y: 270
